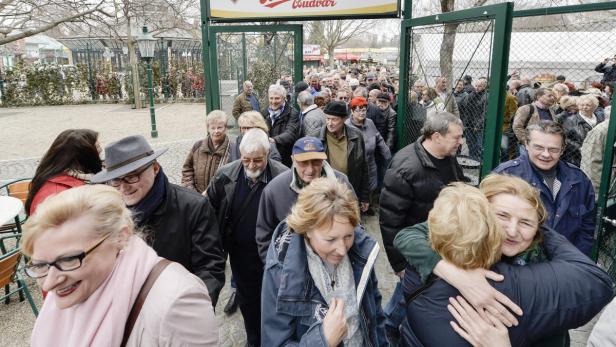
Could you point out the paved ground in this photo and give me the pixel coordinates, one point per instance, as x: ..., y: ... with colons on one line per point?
x: 26, y: 133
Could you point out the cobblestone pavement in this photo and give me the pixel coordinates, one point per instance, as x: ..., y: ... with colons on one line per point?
x: 26, y: 133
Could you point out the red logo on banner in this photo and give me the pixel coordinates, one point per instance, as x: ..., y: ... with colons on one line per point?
x: 273, y: 3
x: 299, y: 3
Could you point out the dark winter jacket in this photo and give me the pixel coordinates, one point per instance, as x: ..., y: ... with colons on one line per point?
x: 525, y: 95
x: 473, y: 108
x: 385, y: 122
x: 576, y: 129
x: 572, y: 212
x: 357, y: 165
x: 374, y: 145
x: 296, y: 308
x: 277, y: 199
x: 411, y: 185
x: 184, y: 229
x: 222, y: 190
x: 609, y: 73
x: 284, y: 131
x: 563, y: 293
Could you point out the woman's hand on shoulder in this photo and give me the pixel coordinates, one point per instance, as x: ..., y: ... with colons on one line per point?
x: 478, y: 331
x: 473, y: 286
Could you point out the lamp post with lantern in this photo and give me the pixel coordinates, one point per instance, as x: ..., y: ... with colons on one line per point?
x: 147, y: 45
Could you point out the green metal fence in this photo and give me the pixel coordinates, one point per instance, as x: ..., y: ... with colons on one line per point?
x: 260, y: 53
x: 438, y: 52
x: 528, y: 49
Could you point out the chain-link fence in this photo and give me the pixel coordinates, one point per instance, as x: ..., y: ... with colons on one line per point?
x: 263, y: 58
x: 449, y: 71
x: 560, y: 66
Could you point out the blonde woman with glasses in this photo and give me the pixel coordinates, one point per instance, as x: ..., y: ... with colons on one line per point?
x: 84, y: 252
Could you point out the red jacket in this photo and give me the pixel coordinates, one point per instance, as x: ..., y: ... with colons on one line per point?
x: 53, y: 186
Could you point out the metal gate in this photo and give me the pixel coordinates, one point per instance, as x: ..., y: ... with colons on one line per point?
x: 260, y: 53
x: 450, y: 46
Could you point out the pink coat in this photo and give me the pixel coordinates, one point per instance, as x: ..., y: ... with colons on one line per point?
x: 185, y: 318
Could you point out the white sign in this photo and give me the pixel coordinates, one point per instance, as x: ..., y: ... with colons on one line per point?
x: 266, y: 9
x: 312, y: 50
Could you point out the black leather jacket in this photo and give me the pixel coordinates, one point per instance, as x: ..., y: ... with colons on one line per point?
x: 576, y: 129
x: 222, y: 189
x: 184, y: 229
x: 357, y: 165
x: 285, y: 131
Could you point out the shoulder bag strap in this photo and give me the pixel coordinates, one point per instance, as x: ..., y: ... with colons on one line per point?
x: 143, y: 294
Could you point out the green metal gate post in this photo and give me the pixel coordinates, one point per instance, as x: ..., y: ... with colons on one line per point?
x: 606, y: 177
x: 403, y: 79
x: 498, y: 79
x: 244, y: 61
x: 298, y: 56
x: 205, y: 56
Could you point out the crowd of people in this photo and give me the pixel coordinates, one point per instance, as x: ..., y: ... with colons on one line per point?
x: 126, y: 257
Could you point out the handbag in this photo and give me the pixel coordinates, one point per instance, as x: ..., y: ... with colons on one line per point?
x: 143, y: 294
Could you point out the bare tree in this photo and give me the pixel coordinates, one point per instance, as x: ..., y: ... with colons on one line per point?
x: 449, y: 39
x: 22, y: 18
x: 334, y: 33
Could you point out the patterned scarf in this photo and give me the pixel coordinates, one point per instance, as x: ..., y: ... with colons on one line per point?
x: 532, y: 255
x: 337, y: 282
x: 218, y: 156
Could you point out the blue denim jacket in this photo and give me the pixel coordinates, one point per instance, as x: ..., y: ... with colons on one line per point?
x: 292, y: 306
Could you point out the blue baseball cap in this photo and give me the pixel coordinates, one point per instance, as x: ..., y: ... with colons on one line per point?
x: 308, y: 148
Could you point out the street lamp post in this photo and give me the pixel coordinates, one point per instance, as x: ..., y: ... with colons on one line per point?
x: 147, y: 45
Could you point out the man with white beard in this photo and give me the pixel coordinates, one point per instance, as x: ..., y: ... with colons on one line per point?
x: 235, y: 193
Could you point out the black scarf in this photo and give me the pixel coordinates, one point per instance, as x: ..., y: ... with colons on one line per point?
x: 144, y: 208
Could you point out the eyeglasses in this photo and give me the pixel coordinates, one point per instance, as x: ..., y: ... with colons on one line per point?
x: 68, y: 263
x: 343, y: 98
x: 541, y: 149
x: 131, y: 178
x: 360, y: 109
x: 256, y: 161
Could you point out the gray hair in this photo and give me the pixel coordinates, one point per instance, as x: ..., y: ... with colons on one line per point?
x: 305, y: 98
x: 361, y: 91
x: 561, y: 88
x: 325, y: 91
x: 277, y: 89
x: 439, y: 123
x: 216, y: 116
x: 587, y: 97
x: 254, y: 140
x: 546, y: 127
x: 247, y: 83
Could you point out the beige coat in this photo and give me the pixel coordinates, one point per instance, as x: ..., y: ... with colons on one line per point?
x: 177, y: 312
x: 593, y: 150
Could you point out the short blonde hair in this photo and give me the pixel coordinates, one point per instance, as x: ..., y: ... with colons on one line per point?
x: 216, y: 116
x: 587, y: 97
x: 568, y: 101
x: 318, y: 204
x: 255, y: 118
x: 102, y: 202
x: 463, y: 228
